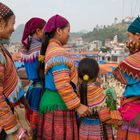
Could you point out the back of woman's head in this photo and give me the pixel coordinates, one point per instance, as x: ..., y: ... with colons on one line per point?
x: 30, y: 28
x: 50, y: 28
x: 88, y: 66
x: 88, y: 70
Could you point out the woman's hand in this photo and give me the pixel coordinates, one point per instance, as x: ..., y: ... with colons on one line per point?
x: 20, y: 134
x: 83, y: 110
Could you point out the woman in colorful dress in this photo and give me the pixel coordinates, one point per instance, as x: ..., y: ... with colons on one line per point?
x: 59, y: 101
x: 31, y: 40
x: 128, y: 73
x: 11, y: 91
x: 92, y: 95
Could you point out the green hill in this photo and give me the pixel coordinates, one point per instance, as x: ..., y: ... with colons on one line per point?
x: 108, y: 32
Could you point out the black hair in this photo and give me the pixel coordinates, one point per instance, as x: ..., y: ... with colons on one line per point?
x: 45, y: 42
x: 90, y: 67
x: 7, y: 16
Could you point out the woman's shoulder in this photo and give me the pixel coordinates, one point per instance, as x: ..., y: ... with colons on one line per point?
x: 55, y: 53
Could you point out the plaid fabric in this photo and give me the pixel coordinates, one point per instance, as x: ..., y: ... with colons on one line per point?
x: 128, y: 132
x: 58, y: 125
x: 93, y: 129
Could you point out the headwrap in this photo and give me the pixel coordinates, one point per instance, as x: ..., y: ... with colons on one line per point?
x: 134, y: 27
x: 55, y: 22
x: 30, y: 28
x: 4, y: 10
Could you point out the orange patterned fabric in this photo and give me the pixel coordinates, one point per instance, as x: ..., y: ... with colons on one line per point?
x: 56, y: 55
x: 131, y: 65
x: 95, y: 95
x: 8, y: 85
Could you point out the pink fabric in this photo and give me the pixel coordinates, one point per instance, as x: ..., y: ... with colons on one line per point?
x: 55, y: 22
x: 130, y: 110
x: 30, y: 28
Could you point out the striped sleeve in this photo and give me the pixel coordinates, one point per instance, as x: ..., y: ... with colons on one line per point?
x: 62, y: 83
x: 7, y: 119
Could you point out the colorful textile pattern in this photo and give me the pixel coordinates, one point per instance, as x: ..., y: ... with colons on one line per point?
x: 128, y: 73
x: 93, y: 129
x: 128, y: 132
x: 9, y: 88
x: 55, y: 56
x: 4, y: 10
x: 131, y: 113
x: 30, y: 59
x: 12, y: 87
x: 95, y: 96
x: 34, y: 51
x: 131, y: 65
x: 58, y: 125
x: 33, y: 97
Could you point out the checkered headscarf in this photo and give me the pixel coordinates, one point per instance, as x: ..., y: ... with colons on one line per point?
x: 4, y: 10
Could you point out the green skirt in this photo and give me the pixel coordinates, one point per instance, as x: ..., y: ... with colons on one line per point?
x: 50, y: 101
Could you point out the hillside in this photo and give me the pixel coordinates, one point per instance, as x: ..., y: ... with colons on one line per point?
x: 108, y: 32
x: 17, y: 35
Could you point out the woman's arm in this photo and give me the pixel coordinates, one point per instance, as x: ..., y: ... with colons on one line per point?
x: 7, y: 118
x: 62, y: 82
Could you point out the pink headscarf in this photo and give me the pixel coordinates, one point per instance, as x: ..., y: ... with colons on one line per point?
x: 30, y: 28
x: 55, y: 22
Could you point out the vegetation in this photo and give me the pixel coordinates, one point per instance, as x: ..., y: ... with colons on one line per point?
x: 108, y: 32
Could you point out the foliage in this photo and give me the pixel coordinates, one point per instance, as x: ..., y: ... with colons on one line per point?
x: 108, y: 32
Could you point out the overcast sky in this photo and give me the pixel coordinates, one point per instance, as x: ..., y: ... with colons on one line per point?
x: 82, y: 14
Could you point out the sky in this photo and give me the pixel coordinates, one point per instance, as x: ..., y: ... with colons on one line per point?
x: 82, y: 14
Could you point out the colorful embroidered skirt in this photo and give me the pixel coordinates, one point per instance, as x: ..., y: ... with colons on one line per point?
x: 55, y: 121
x: 58, y: 125
x: 128, y: 132
x: 93, y: 129
x: 33, y: 96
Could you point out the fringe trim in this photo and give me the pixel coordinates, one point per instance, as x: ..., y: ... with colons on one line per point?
x: 57, y: 61
x: 28, y: 58
x: 50, y: 108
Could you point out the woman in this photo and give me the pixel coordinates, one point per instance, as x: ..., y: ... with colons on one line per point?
x: 59, y: 101
x: 31, y: 40
x: 92, y: 95
x: 128, y: 73
x: 10, y: 86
